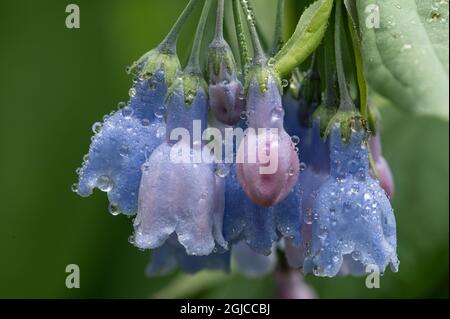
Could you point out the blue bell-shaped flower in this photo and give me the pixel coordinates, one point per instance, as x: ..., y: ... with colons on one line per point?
x: 354, y: 216
x: 128, y: 136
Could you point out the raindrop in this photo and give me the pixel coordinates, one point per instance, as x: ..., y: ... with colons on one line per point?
x: 222, y: 170
x: 131, y: 239
x: 284, y: 83
x: 123, y: 151
x: 295, y: 139
x: 161, y: 131
x: 291, y: 171
x: 104, y: 183
x: 113, y: 209
x: 160, y: 111
x: 74, y: 187
x: 308, y: 218
x: 132, y: 92
x: 97, y: 127
x: 356, y: 255
x: 127, y: 112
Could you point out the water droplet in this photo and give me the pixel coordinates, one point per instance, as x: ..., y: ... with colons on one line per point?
x: 356, y: 255
x: 277, y: 114
x: 295, y: 139
x: 284, y: 83
x: 121, y: 105
x: 113, y: 209
x: 74, y: 187
x: 132, y: 92
x: 367, y: 196
x: 322, y: 232
x: 222, y: 170
x: 160, y: 111
x: 406, y: 46
x: 86, y: 158
x: 124, y: 151
x: 127, y: 112
x: 291, y: 171
x: 303, y: 166
x: 145, y: 122
x: 308, y: 218
x: 131, y: 239
x: 97, y: 127
x: 104, y: 183
x: 243, y: 115
x: 161, y: 131
x: 271, y: 62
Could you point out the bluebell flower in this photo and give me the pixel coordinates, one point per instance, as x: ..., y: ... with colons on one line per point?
x: 122, y: 143
x: 354, y: 216
x: 179, y: 197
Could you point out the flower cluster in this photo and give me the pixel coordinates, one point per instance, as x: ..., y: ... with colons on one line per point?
x: 306, y: 181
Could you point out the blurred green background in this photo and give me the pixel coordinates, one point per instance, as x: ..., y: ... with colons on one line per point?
x: 55, y: 83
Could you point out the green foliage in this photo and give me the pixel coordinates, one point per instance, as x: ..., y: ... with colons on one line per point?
x: 406, y: 57
x: 306, y: 38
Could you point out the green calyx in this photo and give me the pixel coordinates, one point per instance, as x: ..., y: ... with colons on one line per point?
x: 349, y: 122
x: 189, y: 83
x: 154, y: 61
x: 221, y: 63
x: 262, y: 74
x: 324, y: 114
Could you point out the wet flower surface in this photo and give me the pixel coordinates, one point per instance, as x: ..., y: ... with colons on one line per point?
x: 291, y: 189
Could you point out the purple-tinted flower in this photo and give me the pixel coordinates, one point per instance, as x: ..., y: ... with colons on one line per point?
x: 267, y: 163
x: 382, y: 168
x: 354, y: 215
x: 121, y: 144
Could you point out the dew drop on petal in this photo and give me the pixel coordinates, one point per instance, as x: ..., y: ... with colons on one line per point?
x: 104, y: 183
x: 132, y: 92
x: 97, y: 127
x: 295, y: 139
x: 113, y: 209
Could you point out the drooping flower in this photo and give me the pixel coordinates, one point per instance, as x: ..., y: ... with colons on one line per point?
x: 179, y: 194
x: 128, y: 136
x: 252, y: 264
x: 225, y: 89
x: 267, y: 163
x: 355, y: 217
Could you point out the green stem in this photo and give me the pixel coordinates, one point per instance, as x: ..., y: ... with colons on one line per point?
x: 193, y: 65
x: 219, y: 19
x: 278, y: 35
x: 242, y: 42
x: 346, y: 103
x: 258, y: 53
x: 329, y: 69
x: 170, y: 41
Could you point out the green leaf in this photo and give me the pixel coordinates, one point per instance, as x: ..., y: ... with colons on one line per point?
x: 406, y: 56
x: 306, y: 38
